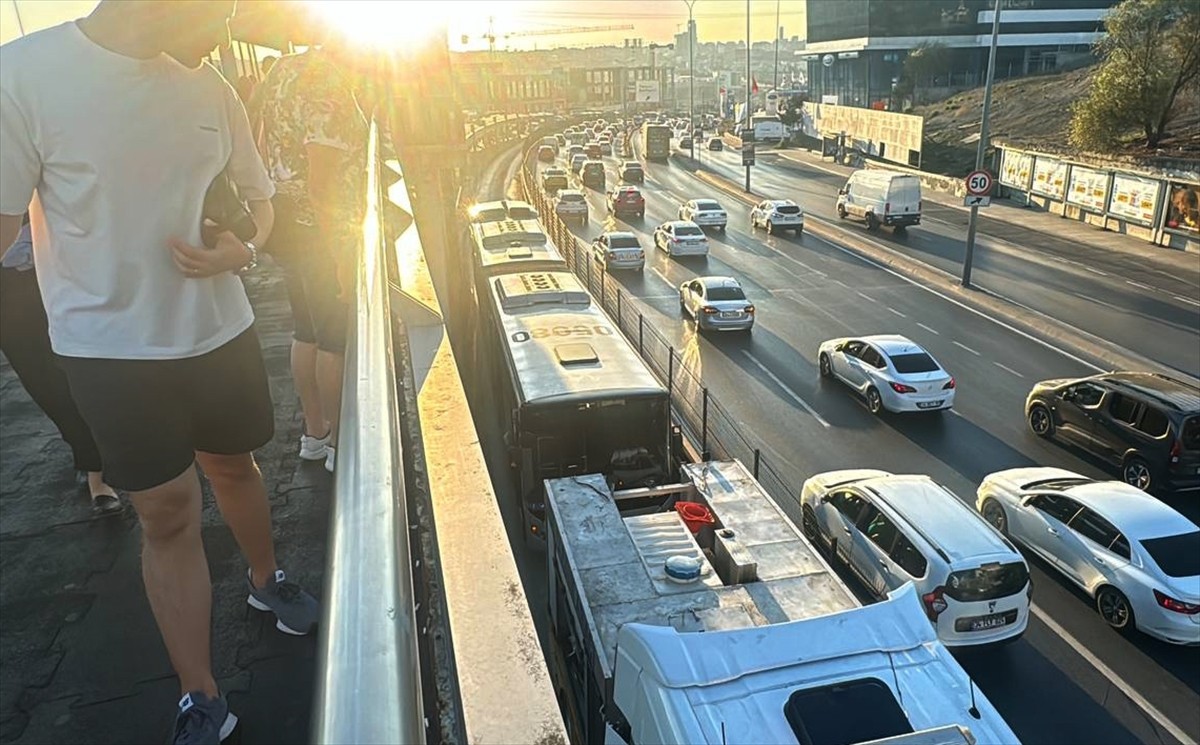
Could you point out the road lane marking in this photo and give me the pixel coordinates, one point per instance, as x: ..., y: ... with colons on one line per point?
x: 1006, y: 368
x: 866, y: 297
x: 661, y: 276
x: 1161, y: 719
x: 794, y: 396
x: 964, y: 346
x: 893, y: 310
x: 1096, y: 271
x: 1186, y: 300
x: 927, y: 328
x: 1139, y: 285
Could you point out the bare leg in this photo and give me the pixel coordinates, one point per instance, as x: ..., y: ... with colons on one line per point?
x: 97, y: 487
x: 304, y: 375
x: 329, y: 379
x: 242, y: 498
x: 175, y: 571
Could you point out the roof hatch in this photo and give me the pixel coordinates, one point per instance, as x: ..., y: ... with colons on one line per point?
x: 579, y: 353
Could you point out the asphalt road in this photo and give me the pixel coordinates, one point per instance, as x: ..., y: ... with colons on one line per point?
x: 1112, y: 295
x: 807, y: 290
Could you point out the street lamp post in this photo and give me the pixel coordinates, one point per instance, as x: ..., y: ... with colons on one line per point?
x: 969, y: 256
x: 692, y: 76
x: 746, y: 127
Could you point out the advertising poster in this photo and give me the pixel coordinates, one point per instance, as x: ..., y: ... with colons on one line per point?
x: 1133, y: 198
x: 1015, y: 169
x: 1049, y: 177
x: 1088, y: 188
x: 1183, y: 209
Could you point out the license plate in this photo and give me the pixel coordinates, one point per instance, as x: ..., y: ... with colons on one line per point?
x: 988, y: 622
x: 928, y: 404
x: 730, y: 314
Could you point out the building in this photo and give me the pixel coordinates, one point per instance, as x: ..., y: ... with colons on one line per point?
x: 856, y: 49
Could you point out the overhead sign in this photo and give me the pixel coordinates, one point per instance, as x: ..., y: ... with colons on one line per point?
x: 646, y: 91
x: 747, y: 153
x: 975, y: 200
x: 979, y: 182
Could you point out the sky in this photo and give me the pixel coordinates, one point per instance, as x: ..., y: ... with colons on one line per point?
x: 653, y: 20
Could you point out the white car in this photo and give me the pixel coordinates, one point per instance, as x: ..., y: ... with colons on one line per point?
x: 889, y: 371
x: 716, y: 303
x: 893, y: 529
x: 772, y: 214
x: 1136, y: 557
x: 681, y: 238
x: 707, y: 213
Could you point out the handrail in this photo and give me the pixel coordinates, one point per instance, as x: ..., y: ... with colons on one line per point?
x: 369, y: 677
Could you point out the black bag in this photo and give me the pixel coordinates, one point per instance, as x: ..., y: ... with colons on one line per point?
x: 224, y: 211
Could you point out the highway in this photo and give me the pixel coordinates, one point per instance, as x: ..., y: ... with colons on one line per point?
x: 1111, y: 295
x: 1070, y: 679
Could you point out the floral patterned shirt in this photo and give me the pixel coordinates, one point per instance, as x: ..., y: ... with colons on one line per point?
x: 307, y: 99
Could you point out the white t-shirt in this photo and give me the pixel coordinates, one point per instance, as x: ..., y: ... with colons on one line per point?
x: 117, y: 154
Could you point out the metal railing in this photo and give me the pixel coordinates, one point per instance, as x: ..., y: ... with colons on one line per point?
x: 369, y: 673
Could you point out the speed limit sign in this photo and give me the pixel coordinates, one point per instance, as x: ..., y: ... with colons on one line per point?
x: 979, y: 182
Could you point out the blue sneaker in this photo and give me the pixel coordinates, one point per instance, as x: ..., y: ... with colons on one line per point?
x: 203, y: 720
x: 296, y: 612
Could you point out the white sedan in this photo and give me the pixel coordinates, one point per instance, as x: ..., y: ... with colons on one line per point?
x: 889, y: 371
x: 777, y: 214
x: 716, y: 303
x: 1136, y: 557
x: 681, y: 238
x: 707, y: 213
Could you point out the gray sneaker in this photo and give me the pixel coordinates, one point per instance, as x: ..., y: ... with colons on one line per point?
x: 296, y: 612
x: 203, y: 720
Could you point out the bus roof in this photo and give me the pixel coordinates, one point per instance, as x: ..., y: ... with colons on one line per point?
x: 517, y: 245
x: 560, y: 348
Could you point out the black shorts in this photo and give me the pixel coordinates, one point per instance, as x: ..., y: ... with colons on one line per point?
x: 318, y: 316
x: 149, y: 417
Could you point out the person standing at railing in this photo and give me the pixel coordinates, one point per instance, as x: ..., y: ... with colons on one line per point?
x: 25, y: 341
x: 313, y: 136
x: 116, y: 130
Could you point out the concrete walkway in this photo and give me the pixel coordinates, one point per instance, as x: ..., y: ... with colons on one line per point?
x: 80, y: 658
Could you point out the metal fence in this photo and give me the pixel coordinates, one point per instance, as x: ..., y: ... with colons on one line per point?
x: 705, y: 422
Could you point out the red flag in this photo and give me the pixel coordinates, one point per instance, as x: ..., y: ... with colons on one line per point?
x: 753, y: 85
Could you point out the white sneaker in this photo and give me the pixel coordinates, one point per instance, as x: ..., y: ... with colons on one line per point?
x: 330, y: 455
x: 313, y: 448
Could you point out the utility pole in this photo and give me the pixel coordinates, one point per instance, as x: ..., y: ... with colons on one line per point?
x: 20, y: 23
x: 969, y: 256
x: 746, y: 127
x: 778, y: 33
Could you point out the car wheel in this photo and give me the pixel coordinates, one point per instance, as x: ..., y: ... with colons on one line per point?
x: 770, y: 228
x: 841, y: 212
x: 825, y: 365
x: 799, y: 232
x: 872, y: 222
x: 1136, y: 472
x: 874, y: 401
x: 901, y: 230
x: 1115, y: 609
x: 721, y: 228
x: 808, y: 523
x: 753, y: 225
x: 1040, y: 420
x: 993, y: 512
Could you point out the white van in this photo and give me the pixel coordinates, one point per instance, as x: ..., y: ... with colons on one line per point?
x: 881, y: 198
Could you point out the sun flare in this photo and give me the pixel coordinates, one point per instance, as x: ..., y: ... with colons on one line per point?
x: 386, y: 24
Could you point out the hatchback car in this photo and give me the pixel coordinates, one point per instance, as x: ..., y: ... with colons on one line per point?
x: 889, y: 530
x: 716, y: 144
x: 627, y: 200
x: 592, y: 174
x: 554, y: 179
x: 889, y: 371
x: 619, y: 250
x: 571, y: 205
x: 681, y: 238
x: 574, y: 150
x: 1136, y: 557
x: 593, y: 150
x: 577, y: 162
x: 716, y: 304
x: 546, y: 154
x: 781, y: 214
x: 1146, y: 424
x: 632, y: 173
x: 707, y: 213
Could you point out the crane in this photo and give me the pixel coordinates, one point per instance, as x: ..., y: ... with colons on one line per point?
x: 491, y: 34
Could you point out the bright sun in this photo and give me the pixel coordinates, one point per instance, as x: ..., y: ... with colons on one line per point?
x: 386, y: 24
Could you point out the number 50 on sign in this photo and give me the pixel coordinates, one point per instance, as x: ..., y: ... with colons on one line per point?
x: 979, y: 182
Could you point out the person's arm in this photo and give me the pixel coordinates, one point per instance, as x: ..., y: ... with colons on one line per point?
x: 20, y: 166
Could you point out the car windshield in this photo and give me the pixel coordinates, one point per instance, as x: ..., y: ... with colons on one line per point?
x: 707, y: 204
x: 915, y: 362
x: 623, y: 241
x: 787, y: 209
x: 633, y: 166
x: 688, y: 230
x: 1176, y: 555
x: 726, y: 293
x: 571, y: 198
x: 593, y: 166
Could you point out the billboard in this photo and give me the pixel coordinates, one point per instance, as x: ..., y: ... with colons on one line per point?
x: 1088, y: 188
x: 646, y: 91
x: 900, y: 132
x: 1183, y: 209
x: 1133, y: 198
x: 1049, y: 177
x: 1015, y: 169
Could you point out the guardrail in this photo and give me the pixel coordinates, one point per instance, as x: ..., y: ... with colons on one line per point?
x: 369, y: 670
x: 707, y: 423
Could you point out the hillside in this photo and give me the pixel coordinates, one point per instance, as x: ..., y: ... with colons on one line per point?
x: 1035, y: 111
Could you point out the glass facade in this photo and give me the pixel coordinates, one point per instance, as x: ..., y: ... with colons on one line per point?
x: 831, y: 20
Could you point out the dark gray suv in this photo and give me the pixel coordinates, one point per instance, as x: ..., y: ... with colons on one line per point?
x: 1146, y: 424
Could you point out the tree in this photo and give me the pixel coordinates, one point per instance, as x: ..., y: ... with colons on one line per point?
x: 927, y: 59
x: 1150, y: 54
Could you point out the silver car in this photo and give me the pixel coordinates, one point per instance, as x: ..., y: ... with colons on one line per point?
x: 889, y: 371
x: 681, y: 238
x: 716, y: 304
x: 619, y: 250
x: 777, y: 214
x: 571, y: 204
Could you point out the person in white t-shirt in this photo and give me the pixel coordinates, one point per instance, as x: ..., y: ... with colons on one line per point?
x: 115, y: 129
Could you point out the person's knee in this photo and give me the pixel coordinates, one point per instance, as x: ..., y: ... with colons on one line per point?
x: 228, y: 470
x: 170, y: 510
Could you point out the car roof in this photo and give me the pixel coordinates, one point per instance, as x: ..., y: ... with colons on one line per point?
x: 892, y: 344
x: 571, y: 192
x: 681, y: 223
x: 781, y: 202
x: 620, y: 234
x: 936, y: 514
x: 628, y: 188
x: 706, y: 199
x: 1170, y: 392
x: 631, y: 164
x: 1135, y: 513
x: 718, y: 281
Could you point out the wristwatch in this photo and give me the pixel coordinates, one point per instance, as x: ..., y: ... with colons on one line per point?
x: 252, y: 263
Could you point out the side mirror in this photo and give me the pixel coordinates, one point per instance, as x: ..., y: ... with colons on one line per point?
x: 842, y: 192
x: 840, y: 347
x: 824, y: 499
x: 1068, y: 395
